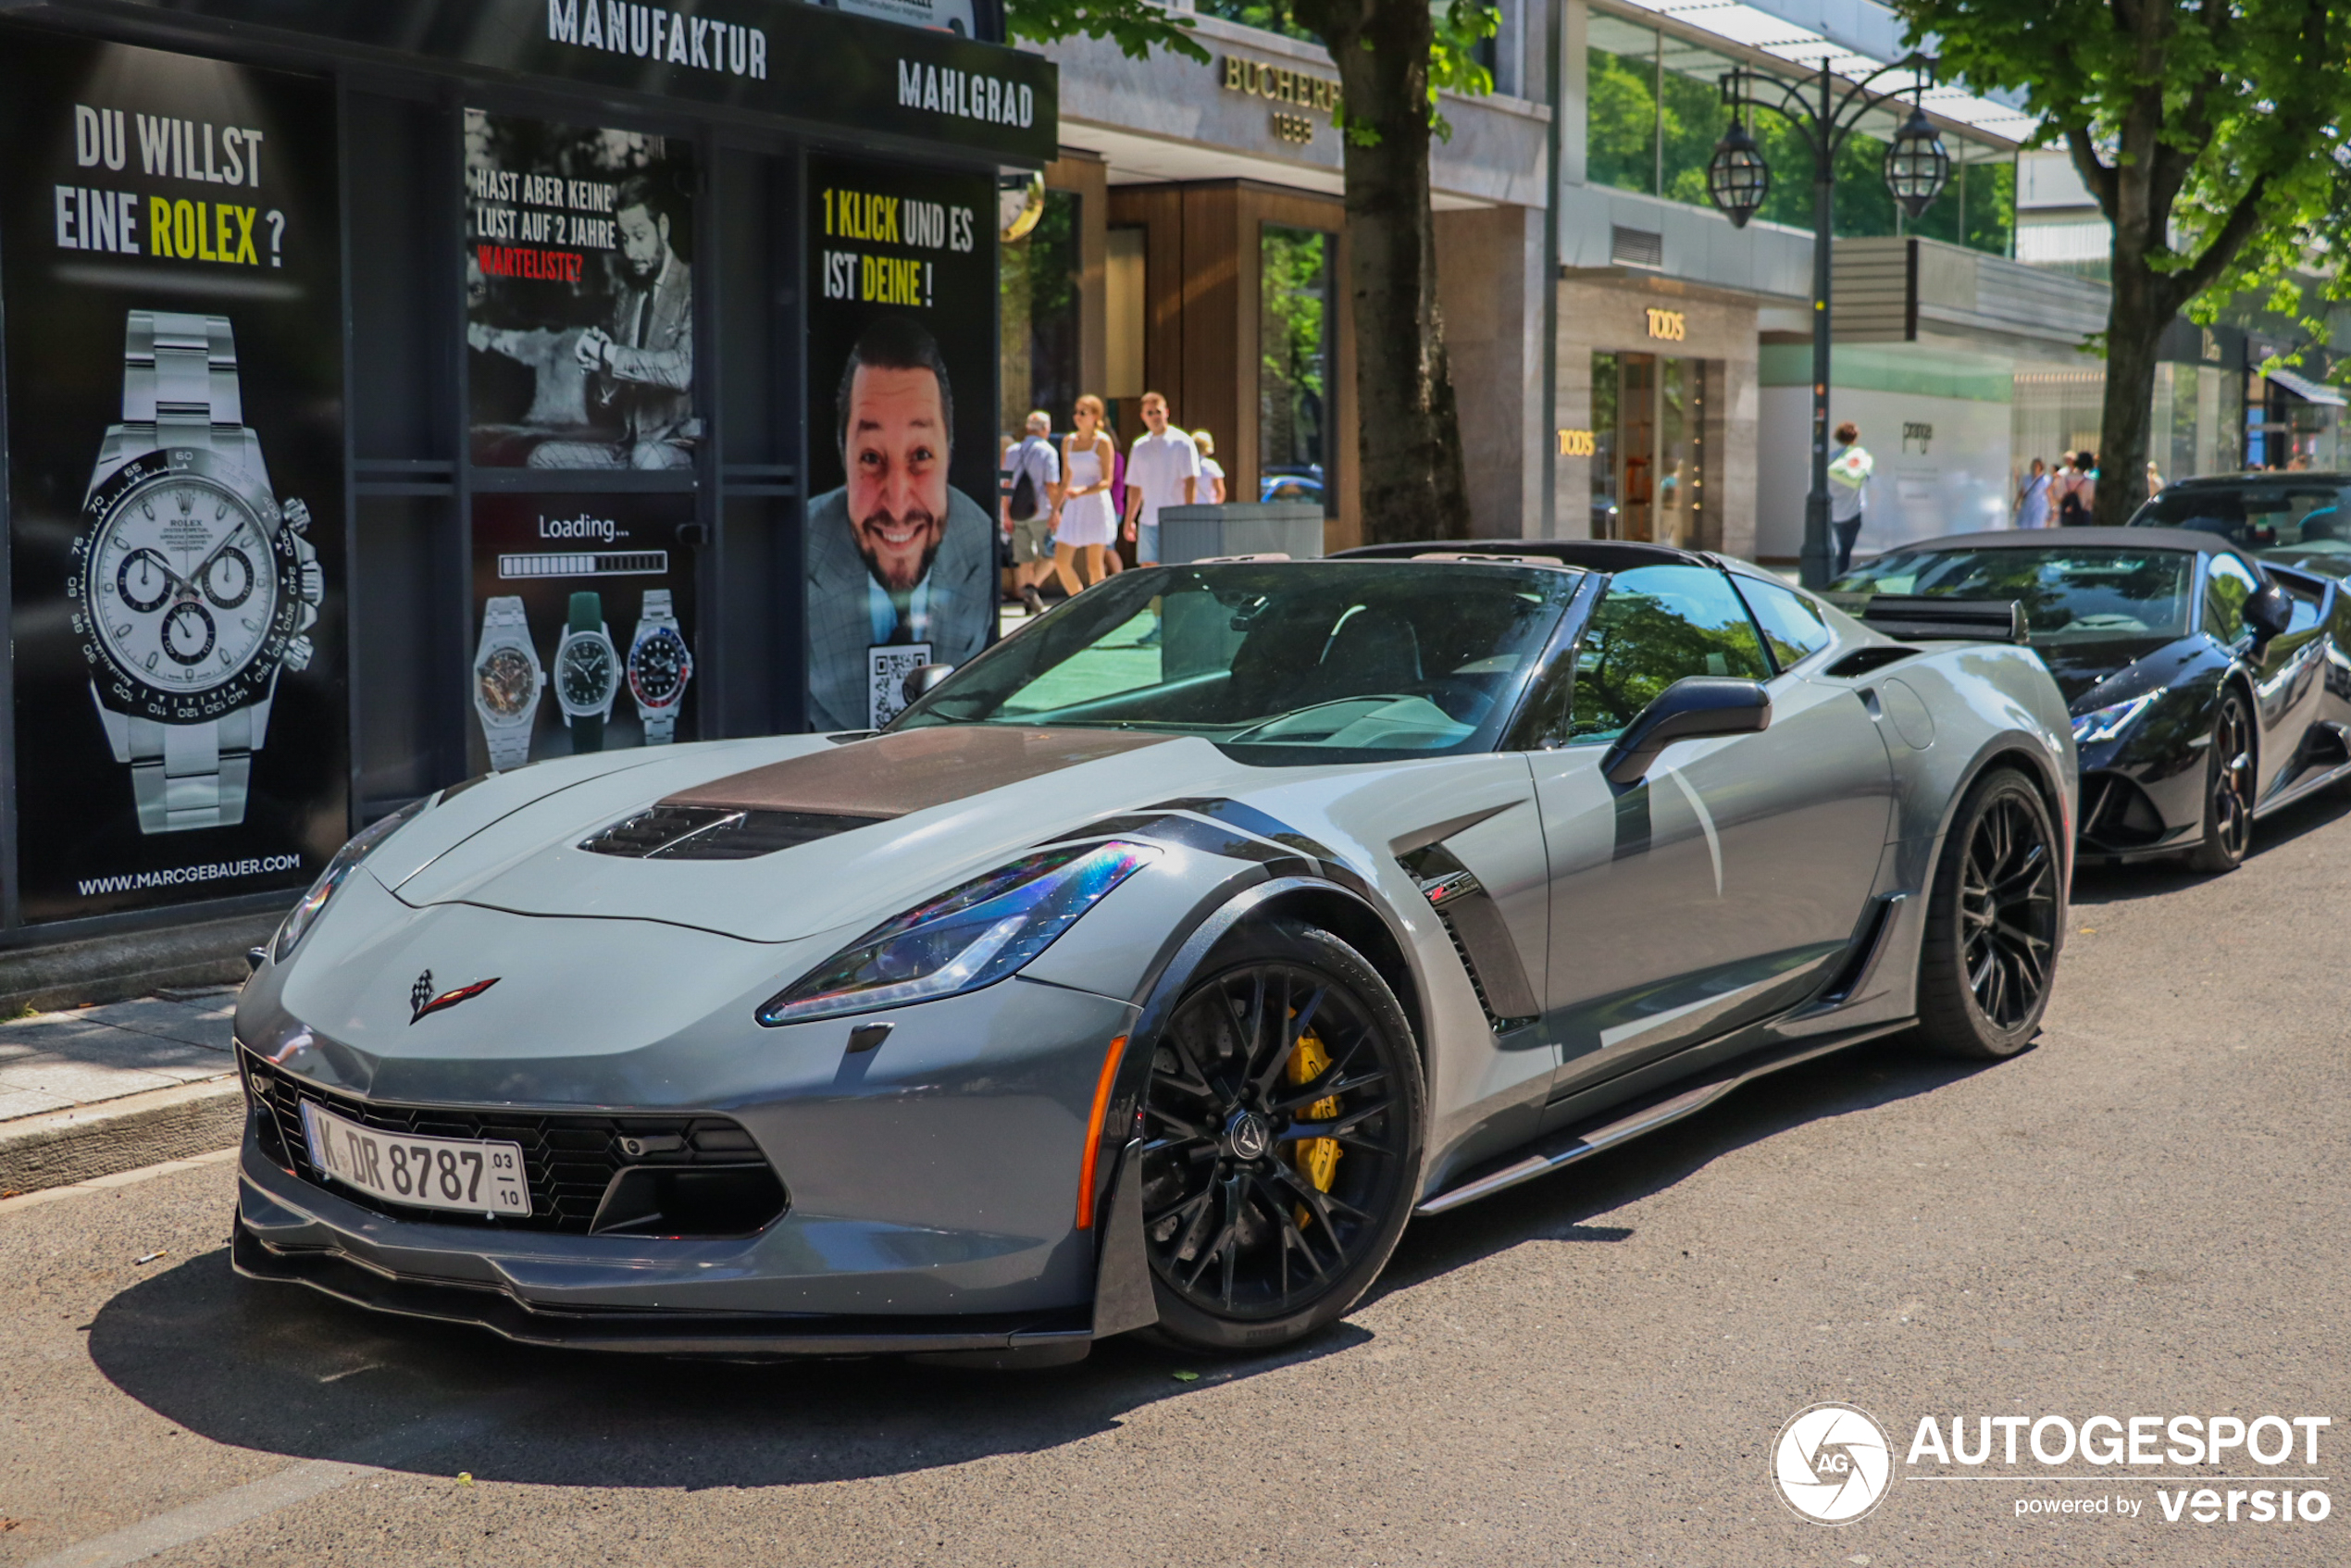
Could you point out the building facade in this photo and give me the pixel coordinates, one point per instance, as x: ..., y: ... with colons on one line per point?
x: 1196, y: 246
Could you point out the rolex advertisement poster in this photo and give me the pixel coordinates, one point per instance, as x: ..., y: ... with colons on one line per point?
x: 169, y: 235
x: 584, y: 624
x: 579, y: 295
x: 900, y: 547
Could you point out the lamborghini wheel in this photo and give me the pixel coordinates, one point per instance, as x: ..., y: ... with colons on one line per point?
x: 1283, y: 1125
x: 2228, y: 790
x: 1992, y: 918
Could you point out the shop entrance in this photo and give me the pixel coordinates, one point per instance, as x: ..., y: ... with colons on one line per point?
x: 1648, y: 462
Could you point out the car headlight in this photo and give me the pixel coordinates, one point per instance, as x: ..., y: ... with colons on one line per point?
x: 2106, y: 723
x: 363, y: 843
x: 961, y: 940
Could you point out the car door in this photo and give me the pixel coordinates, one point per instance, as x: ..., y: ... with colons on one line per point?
x: 2288, y: 678
x: 1721, y: 886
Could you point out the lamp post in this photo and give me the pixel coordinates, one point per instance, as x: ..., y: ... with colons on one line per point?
x: 1737, y: 179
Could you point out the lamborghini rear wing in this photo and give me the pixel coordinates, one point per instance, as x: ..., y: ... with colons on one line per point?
x: 1917, y: 618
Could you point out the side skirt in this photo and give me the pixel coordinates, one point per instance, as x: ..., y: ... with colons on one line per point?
x: 1567, y: 1147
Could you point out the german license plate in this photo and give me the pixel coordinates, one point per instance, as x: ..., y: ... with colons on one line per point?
x: 428, y: 1173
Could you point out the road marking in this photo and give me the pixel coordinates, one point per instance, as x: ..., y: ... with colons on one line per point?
x: 297, y: 1484
x: 119, y: 1178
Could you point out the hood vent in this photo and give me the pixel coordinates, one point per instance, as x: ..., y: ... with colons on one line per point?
x: 715, y: 833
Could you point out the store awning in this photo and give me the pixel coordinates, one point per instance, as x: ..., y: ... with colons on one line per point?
x: 2307, y: 389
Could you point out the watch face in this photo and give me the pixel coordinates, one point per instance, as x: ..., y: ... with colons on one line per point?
x: 185, y: 593
x: 507, y: 682
x: 658, y: 666
x: 585, y: 675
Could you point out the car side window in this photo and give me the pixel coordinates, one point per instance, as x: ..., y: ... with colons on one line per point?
x: 1791, y: 626
x: 1656, y: 624
x: 2228, y: 583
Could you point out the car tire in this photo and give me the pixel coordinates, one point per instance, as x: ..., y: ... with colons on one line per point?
x: 1994, y: 923
x: 1257, y: 1236
x: 2228, y: 789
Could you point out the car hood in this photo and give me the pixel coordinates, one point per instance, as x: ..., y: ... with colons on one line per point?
x: 2082, y: 668
x: 919, y: 810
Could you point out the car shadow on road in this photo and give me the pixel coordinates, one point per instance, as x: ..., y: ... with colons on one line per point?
x: 279, y: 1369
x: 282, y: 1370
x: 1560, y: 1207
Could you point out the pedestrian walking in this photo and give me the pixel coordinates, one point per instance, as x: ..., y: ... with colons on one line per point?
x: 2155, y: 480
x: 2077, y: 491
x: 2033, y: 497
x: 1087, y: 522
x: 1211, y: 472
x: 1162, y: 469
x: 1031, y: 507
x: 1848, y: 490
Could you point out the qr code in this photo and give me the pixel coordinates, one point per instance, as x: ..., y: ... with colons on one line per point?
x: 887, y: 668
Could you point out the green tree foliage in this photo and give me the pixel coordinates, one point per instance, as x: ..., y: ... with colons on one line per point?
x: 2213, y: 136
x: 1136, y: 26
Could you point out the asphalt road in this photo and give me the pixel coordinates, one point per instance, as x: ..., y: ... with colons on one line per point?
x: 2144, y: 1215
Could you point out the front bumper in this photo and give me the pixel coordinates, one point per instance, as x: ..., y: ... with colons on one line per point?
x: 933, y: 1188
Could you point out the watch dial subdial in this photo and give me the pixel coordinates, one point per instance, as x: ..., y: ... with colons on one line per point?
x: 189, y: 634
x: 228, y: 580
x: 143, y: 580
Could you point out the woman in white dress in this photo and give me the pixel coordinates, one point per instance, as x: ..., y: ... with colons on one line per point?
x: 1088, y: 453
x: 1211, y: 472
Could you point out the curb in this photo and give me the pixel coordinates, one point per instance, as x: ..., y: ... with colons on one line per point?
x: 114, y: 968
x: 61, y: 1148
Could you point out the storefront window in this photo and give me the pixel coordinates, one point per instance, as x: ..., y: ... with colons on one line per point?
x: 1294, y: 363
x: 1037, y: 297
x: 1273, y: 16
x: 1607, y: 517
x: 1649, y: 449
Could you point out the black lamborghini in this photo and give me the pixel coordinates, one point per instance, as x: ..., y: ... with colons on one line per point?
x: 2207, y: 688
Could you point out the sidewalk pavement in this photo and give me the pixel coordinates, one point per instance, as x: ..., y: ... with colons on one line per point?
x: 115, y: 1087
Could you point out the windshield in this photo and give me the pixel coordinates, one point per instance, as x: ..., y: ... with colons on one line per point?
x: 1305, y: 661
x: 2258, y: 515
x: 2068, y: 595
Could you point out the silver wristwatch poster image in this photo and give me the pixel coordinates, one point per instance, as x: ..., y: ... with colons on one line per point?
x: 584, y: 611
x: 176, y: 478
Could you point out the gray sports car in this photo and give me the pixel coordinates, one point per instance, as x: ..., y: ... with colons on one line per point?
x: 1153, y: 969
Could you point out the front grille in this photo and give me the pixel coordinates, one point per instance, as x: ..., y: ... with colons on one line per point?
x: 692, y: 1175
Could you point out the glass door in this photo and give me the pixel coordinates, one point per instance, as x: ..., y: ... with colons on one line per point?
x: 1636, y: 446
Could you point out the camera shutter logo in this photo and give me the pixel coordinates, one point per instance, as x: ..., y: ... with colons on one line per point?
x: 1832, y: 1463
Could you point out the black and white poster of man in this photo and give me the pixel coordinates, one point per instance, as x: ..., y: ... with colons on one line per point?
x: 579, y: 296
x: 900, y: 550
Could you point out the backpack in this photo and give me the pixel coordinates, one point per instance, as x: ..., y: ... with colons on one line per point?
x: 1024, y: 502
x: 2072, y: 513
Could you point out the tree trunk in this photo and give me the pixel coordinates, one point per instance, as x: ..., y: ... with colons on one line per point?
x: 2140, y: 310
x: 1410, y: 439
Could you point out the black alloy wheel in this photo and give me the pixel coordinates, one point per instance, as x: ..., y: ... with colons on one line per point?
x: 1994, y: 923
x: 2228, y: 789
x: 1283, y: 1134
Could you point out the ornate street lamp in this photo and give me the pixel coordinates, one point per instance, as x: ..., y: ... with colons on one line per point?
x: 1916, y: 168
x: 1916, y: 165
x: 1738, y: 178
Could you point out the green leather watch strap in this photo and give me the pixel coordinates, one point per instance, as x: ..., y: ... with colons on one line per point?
x: 587, y: 612
x: 587, y: 620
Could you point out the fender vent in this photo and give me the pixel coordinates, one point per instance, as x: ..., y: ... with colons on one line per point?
x: 1466, y: 910
x: 716, y: 833
x: 1861, y: 661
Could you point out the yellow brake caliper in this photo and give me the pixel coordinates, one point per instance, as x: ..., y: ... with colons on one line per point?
x: 1317, y: 1158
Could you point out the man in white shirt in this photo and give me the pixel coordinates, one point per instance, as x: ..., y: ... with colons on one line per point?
x: 1849, y: 491
x: 1162, y: 469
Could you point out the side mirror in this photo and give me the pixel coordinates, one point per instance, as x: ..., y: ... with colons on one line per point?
x: 2267, y: 613
x: 922, y: 678
x: 1694, y: 708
